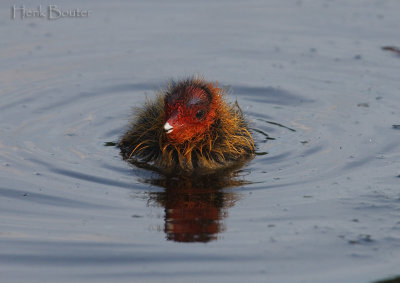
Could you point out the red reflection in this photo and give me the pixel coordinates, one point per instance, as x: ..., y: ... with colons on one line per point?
x: 195, y: 209
x: 193, y: 215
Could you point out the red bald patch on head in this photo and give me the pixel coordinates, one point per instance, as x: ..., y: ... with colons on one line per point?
x: 196, y: 94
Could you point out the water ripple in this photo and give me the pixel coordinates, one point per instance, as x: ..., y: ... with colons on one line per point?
x: 46, y: 199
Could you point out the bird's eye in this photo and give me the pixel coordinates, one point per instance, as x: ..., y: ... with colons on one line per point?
x: 200, y: 114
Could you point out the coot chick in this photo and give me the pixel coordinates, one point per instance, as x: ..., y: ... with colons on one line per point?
x: 189, y: 127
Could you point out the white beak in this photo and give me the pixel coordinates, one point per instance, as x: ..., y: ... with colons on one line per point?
x: 168, y: 128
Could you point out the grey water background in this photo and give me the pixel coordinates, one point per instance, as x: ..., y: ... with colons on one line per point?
x: 322, y: 206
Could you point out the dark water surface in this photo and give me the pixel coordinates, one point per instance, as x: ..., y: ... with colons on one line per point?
x: 319, y: 203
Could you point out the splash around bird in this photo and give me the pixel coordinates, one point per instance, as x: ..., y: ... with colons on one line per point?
x: 188, y: 128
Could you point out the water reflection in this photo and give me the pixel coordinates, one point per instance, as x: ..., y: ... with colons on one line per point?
x: 195, y: 207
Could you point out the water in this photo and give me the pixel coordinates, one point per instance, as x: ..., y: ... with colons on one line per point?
x: 322, y: 206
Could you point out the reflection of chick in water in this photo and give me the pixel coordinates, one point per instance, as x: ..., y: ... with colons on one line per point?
x: 195, y: 207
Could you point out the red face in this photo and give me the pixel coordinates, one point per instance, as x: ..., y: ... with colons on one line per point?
x: 189, y: 112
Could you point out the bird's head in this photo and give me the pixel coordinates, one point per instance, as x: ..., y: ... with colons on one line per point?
x: 190, y: 109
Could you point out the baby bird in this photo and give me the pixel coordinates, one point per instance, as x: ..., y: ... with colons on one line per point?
x: 188, y: 128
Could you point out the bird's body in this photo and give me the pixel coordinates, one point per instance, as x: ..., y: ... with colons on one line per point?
x: 189, y: 127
